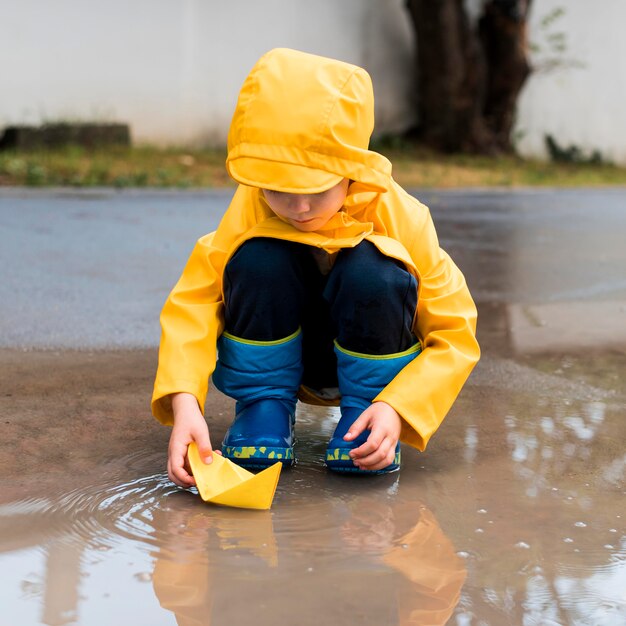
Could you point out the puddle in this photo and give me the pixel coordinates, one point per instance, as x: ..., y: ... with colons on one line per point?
x: 513, y: 515
x: 142, y: 550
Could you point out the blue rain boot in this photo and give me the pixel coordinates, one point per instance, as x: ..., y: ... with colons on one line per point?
x: 263, y: 377
x: 361, y: 378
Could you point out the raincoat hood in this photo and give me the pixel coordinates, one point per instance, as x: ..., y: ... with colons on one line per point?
x: 302, y: 124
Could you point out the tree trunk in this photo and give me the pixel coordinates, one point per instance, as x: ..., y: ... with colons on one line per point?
x: 503, y: 33
x: 468, y: 80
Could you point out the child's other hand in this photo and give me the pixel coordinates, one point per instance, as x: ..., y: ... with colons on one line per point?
x: 384, y: 424
x: 189, y: 425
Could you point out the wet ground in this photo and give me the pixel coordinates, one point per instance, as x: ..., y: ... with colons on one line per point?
x: 514, y: 515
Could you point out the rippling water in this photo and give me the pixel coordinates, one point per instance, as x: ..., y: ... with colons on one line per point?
x: 410, y: 548
x: 323, y: 532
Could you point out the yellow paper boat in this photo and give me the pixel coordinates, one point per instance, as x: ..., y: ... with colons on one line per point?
x: 223, y: 482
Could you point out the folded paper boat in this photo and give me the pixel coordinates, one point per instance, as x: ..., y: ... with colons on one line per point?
x: 223, y: 482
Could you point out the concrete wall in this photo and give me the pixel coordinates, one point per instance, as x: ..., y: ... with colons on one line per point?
x: 581, y: 101
x: 173, y: 69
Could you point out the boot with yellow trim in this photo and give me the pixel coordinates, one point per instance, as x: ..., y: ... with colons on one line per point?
x: 361, y: 378
x: 263, y: 377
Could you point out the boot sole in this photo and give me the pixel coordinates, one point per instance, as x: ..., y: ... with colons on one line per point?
x: 338, y: 460
x: 258, y: 456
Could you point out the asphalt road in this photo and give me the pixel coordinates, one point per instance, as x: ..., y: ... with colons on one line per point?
x: 91, y: 269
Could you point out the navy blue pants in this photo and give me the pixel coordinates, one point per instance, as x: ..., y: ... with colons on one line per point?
x: 366, y: 301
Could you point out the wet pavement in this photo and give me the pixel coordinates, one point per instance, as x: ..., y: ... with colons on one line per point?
x: 514, y: 515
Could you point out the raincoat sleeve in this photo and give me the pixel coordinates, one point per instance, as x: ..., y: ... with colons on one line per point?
x: 191, y: 321
x: 423, y: 392
x: 192, y: 318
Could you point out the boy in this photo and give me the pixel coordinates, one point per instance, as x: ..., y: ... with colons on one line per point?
x: 323, y: 280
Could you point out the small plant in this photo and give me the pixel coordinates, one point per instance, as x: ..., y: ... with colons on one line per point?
x: 551, y: 49
x: 571, y: 154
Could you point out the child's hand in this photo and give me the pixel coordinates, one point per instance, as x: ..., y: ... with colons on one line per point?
x: 384, y: 425
x: 189, y: 425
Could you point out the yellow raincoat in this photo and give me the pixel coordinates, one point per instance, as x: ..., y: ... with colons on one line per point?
x: 303, y: 123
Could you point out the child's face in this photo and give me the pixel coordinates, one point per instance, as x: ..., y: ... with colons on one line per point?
x: 308, y: 211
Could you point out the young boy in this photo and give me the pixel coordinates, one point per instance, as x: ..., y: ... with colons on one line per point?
x: 324, y: 280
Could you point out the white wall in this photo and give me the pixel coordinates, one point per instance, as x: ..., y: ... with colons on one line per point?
x: 173, y: 69
x: 583, y: 105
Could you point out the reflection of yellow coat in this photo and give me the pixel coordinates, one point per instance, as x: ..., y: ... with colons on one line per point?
x: 306, y: 120
x: 421, y: 576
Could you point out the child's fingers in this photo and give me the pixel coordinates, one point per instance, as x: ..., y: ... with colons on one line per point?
x: 177, y: 458
x: 372, y: 444
x: 358, y: 426
x: 388, y: 460
x: 177, y: 473
x: 201, y: 437
x: 379, y: 458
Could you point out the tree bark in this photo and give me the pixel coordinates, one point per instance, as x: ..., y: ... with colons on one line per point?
x: 503, y: 34
x: 468, y: 79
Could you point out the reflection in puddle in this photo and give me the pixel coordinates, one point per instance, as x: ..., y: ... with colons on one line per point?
x: 553, y: 525
x: 358, y: 562
x: 366, y: 553
x: 530, y: 504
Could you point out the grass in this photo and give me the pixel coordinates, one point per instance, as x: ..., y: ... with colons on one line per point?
x: 181, y: 168
x: 114, y: 167
x: 424, y: 169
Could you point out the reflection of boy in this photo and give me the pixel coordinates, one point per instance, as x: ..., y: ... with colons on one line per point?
x: 399, y: 550
x: 323, y: 279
